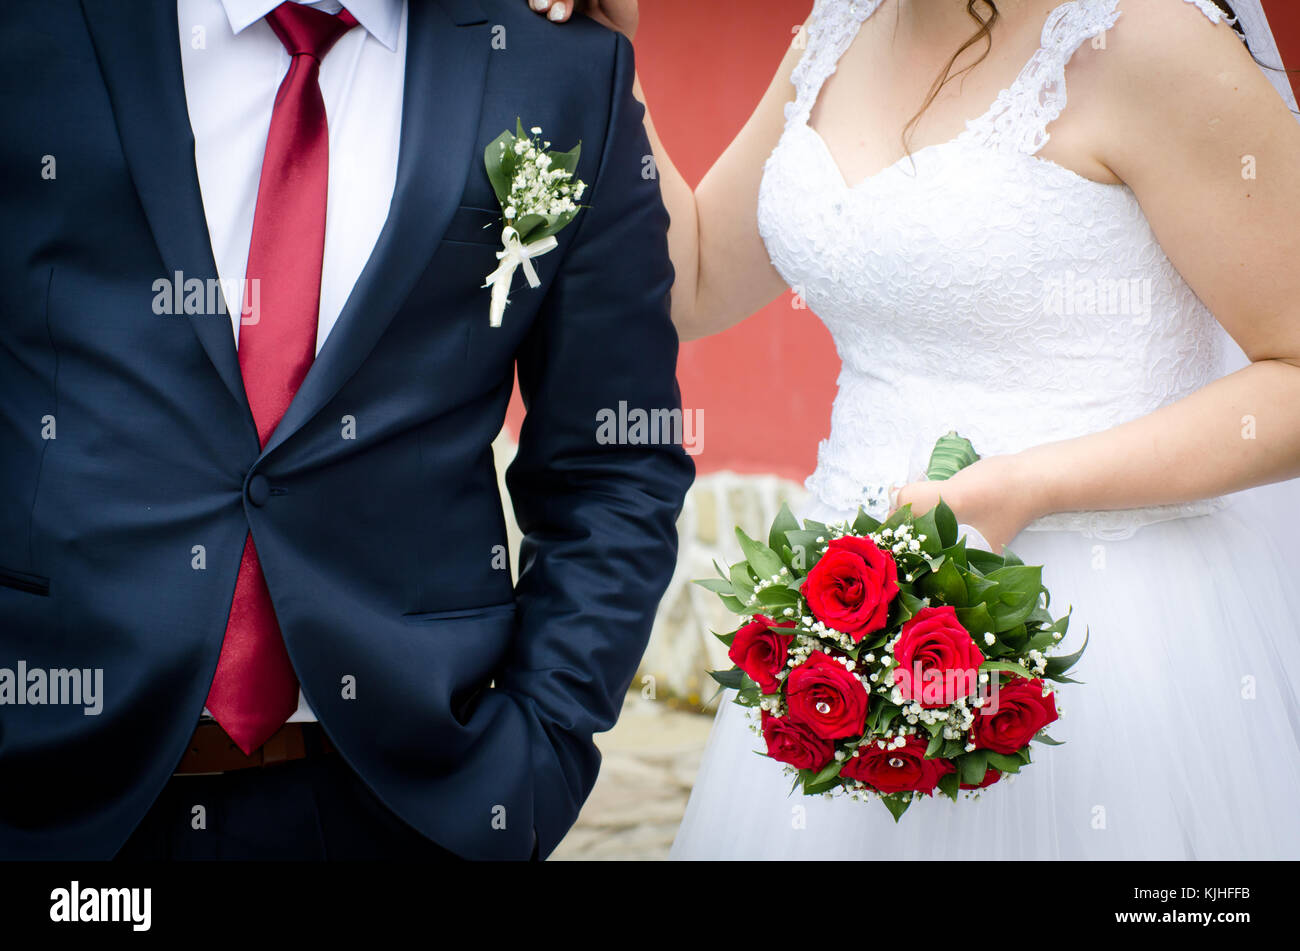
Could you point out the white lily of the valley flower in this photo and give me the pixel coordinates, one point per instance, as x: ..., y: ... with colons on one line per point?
x: 514, y: 254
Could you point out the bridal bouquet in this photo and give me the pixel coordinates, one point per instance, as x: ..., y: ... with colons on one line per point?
x: 888, y: 660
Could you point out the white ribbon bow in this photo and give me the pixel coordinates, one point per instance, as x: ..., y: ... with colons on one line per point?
x: 514, y: 254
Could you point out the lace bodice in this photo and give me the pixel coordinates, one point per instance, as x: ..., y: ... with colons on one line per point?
x: 975, y: 286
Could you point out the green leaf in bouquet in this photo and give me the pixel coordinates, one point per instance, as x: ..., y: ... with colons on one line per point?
x: 958, y: 555
x: 1007, y: 666
x: 727, y: 639
x: 972, y: 767
x: 1047, y: 740
x: 946, y: 521
x: 870, y: 643
x: 1004, y: 763
x: 750, y: 695
x: 742, y: 582
x: 732, y: 679
x: 880, y: 716
x: 985, y: 562
x: 901, y: 516
x: 978, y: 621
x: 762, y: 559
x: 784, y: 522
x: 1009, y: 620
x: 1015, y: 638
x: 1018, y: 583
x: 897, y: 804
x: 927, y: 526
x: 777, y: 596
x: 953, y: 748
x: 1058, y: 665
x: 721, y: 574
x: 950, y: 785
x: 1040, y: 641
x: 817, y: 528
x: 864, y: 524
x: 716, y: 585
x: 905, y: 607
x: 1016, y: 595
x: 936, y: 745
x: 1024, y: 755
x: 951, y: 454
x: 828, y: 773
x: 733, y: 604
x: 1039, y: 616
x: 816, y: 789
x: 806, y: 551
x: 946, y: 585
x: 978, y: 587
x: 996, y: 650
x: 1062, y: 624
x: 1010, y: 559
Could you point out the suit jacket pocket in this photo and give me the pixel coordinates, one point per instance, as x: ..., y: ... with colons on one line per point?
x: 474, y: 225
x: 22, y: 581
x: 492, y: 610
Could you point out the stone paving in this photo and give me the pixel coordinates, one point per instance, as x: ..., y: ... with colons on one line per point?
x: 649, y: 763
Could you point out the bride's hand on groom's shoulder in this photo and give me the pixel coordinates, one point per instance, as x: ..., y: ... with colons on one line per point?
x: 620, y: 15
x: 990, y: 495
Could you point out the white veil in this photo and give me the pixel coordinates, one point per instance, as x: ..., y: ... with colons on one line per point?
x: 1253, y: 19
x: 1273, y: 499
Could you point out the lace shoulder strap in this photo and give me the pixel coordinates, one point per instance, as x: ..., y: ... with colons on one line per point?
x: 1019, y: 118
x: 1211, y: 10
x: 831, y: 29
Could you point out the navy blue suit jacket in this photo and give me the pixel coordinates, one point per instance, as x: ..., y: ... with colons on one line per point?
x: 120, y: 538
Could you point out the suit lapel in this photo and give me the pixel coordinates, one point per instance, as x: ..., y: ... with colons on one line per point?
x: 446, y: 62
x: 138, y: 46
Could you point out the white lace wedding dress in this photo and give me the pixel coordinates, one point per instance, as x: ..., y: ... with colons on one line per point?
x: 990, y: 291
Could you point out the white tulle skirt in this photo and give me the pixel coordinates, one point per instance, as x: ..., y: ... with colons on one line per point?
x: 1183, y: 742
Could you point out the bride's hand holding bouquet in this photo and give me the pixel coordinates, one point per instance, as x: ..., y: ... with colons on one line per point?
x: 888, y: 659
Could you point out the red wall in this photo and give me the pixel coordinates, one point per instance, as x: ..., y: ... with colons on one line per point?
x: 704, y: 65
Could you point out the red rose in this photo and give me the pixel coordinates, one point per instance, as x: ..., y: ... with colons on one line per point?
x: 851, y: 587
x: 991, y: 776
x: 789, y: 741
x: 903, y: 769
x: 761, y: 653
x: 938, y: 660
x: 1018, y: 711
x: 827, y: 698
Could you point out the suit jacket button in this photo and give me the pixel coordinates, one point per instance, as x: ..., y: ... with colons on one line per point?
x: 259, y: 490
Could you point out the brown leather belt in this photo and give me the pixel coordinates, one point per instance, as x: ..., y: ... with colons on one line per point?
x: 212, y: 751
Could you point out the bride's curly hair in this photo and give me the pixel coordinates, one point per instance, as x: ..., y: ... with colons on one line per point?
x: 985, y: 13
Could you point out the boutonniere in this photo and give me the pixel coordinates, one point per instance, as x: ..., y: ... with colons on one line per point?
x: 539, y: 197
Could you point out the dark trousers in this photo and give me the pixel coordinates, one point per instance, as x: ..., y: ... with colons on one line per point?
x: 315, y: 808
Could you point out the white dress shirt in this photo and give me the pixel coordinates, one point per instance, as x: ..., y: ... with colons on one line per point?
x: 233, y: 65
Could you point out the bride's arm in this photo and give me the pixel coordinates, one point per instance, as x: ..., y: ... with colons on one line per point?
x: 1213, y: 156
x: 723, y: 271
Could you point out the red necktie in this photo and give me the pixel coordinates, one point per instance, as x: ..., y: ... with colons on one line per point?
x: 255, y: 688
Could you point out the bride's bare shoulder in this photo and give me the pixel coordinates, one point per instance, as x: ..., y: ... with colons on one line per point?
x: 1166, y: 78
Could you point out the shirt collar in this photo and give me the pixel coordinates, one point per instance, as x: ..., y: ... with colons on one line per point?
x: 379, y: 18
